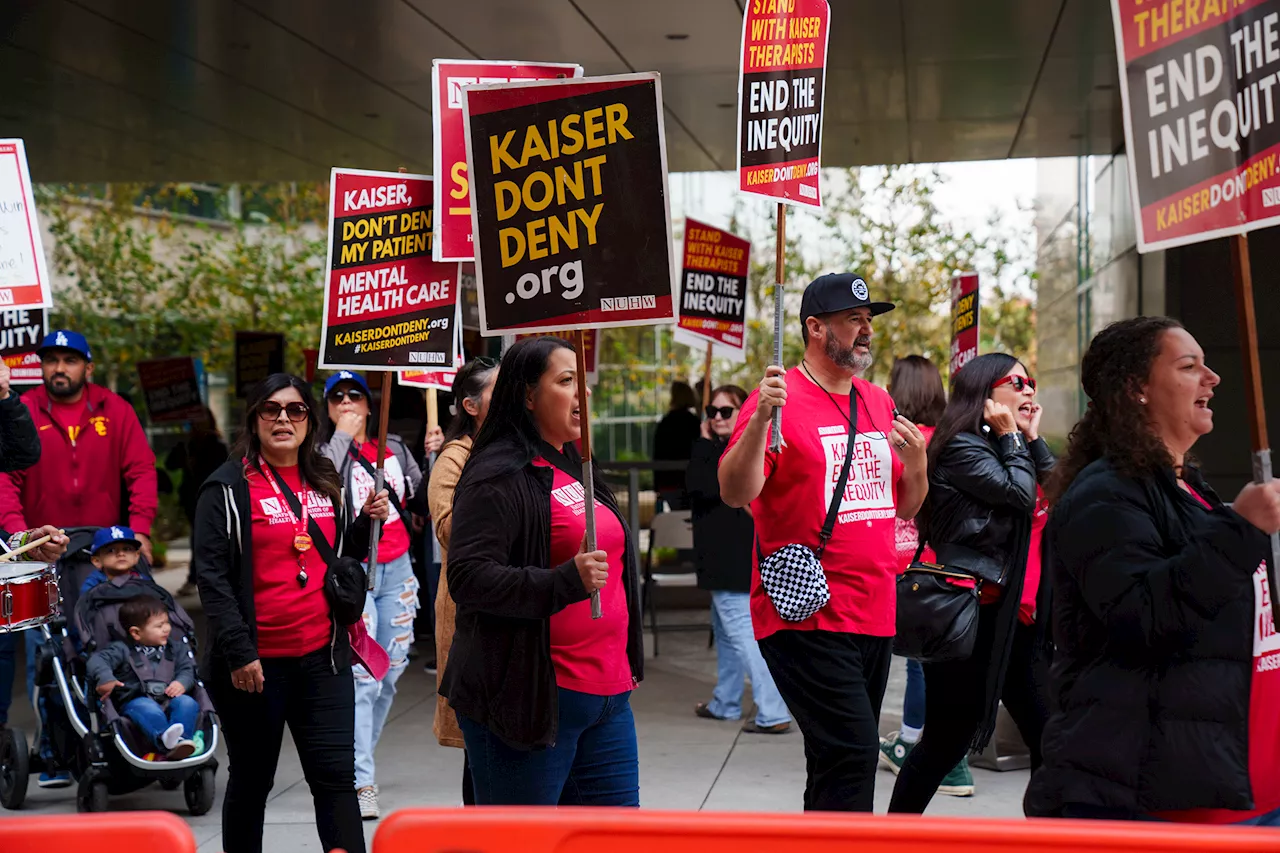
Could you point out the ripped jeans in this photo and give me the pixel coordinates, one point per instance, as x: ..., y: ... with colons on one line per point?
x: 389, y: 610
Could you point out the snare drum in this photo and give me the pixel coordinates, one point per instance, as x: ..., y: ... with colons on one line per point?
x: 28, y: 595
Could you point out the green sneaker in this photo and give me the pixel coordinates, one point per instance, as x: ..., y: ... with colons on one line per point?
x: 198, y: 740
x: 893, y: 752
x: 957, y: 783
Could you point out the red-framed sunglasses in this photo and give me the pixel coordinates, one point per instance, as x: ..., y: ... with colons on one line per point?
x: 1018, y: 382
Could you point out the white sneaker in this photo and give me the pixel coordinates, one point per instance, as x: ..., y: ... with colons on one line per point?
x: 169, y: 739
x: 368, y: 803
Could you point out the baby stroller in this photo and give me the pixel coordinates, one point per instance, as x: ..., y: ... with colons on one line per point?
x: 101, y: 747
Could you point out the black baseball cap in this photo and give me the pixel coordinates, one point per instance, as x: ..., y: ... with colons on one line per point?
x: 838, y: 291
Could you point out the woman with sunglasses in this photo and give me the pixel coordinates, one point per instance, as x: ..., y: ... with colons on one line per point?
x: 276, y: 654
x: 722, y: 541
x: 986, y: 462
x: 392, y: 604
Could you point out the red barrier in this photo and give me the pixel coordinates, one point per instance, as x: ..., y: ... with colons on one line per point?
x: 483, y: 830
x: 129, y: 832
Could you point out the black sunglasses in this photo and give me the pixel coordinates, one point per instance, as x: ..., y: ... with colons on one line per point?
x: 723, y: 412
x: 270, y: 411
x: 1018, y: 382
x: 355, y: 395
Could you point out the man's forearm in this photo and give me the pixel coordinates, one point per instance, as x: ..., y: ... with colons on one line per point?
x: 911, y: 494
x: 742, y: 468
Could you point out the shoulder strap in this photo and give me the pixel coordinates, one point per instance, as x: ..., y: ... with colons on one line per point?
x: 837, y: 496
x: 391, y: 491
x: 317, y: 535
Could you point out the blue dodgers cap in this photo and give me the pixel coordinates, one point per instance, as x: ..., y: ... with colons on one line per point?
x: 107, y: 535
x: 65, y: 339
x: 346, y: 376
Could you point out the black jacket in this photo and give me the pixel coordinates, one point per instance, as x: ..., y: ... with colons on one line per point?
x: 672, y: 441
x: 500, y: 673
x: 982, y: 492
x: 1153, y: 620
x: 722, y: 535
x: 222, y: 549
x: 19, y: 441
x: 126, y: 663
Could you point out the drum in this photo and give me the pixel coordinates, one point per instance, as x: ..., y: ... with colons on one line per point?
x: 28, y: 595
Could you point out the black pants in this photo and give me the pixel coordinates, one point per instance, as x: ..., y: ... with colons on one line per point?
x: 320, y: 709
x: 833, y: 684
x: 953, y: 710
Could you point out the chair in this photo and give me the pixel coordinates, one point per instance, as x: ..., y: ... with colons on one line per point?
x: 672, y: 529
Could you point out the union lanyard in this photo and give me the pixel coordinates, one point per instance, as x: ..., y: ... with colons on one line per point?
x: 301, y: 538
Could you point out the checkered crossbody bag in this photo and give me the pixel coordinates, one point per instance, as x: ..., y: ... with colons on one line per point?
x: 793, y: 576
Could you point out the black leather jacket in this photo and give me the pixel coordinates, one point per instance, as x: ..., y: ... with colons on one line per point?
x: 980, y: 490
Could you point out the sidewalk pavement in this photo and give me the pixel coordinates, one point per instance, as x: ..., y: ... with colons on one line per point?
x: 686, y: 763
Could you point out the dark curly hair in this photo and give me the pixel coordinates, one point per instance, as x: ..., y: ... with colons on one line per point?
x: 1115, y: 425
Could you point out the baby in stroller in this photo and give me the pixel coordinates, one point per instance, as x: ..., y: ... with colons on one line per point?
x: 149, y: 678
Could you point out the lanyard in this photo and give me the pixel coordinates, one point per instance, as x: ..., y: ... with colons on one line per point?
x: 301, y: 539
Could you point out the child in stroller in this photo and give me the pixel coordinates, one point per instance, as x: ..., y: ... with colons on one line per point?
x: 104, y: 750
x: 149, y: 679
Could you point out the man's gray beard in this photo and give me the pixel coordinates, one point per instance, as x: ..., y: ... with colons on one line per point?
x: 847, y: 358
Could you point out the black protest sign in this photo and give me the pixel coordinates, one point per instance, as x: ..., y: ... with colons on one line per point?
x: 571, y: 215
x: 258, y: 355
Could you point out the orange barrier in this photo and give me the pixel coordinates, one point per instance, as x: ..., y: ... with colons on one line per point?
x: 492, y: 830
x: 130, y: 832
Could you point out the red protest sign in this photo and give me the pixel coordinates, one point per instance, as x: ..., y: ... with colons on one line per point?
x: 713, y: 284
x: 1201, y: 133
x: 20, y: 335
x: 571, y: 213
x: 441, y: 380
x: 24, y: 278
x: 386, y: 303
x: 781, y: 83
x: 965, y: 317
x: 449, y: 143
x: 171, y: 389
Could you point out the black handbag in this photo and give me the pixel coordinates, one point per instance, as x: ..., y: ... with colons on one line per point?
x: 345, y: 584
x: 937, y: 620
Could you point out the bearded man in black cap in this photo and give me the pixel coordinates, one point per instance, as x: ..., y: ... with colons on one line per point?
x: 831, y: 666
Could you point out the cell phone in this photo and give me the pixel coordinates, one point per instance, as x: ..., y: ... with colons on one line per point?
x: 896, y: 413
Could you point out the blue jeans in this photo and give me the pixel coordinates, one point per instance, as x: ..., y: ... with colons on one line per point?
x: 594, y: 761
x: 147, y: 714
x: 913, y: 701
x: 739, y: 656
x: 389, y: 610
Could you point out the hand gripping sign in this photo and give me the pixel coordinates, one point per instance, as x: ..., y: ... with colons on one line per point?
x: 569, y: 204
x: 386, y: 303
x: 780, y: 89
x: 449, y: 143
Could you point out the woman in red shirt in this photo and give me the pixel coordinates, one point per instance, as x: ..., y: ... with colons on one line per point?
x: 276, y: 654
x: 541, y: 689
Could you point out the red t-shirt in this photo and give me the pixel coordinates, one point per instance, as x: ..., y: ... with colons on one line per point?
x: 1027, y: 606
x: 293, y: 620
x: 589, y: 655
x: 1264, y: 728
x: 395, y: 538
x: 68, y: 416
x: 861, y: 560
x: 905, y: 533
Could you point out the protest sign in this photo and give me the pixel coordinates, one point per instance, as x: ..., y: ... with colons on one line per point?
x: 386, y: 303
x: 713, y: 286
x: 592, y: 339
x: 781, y: 82
x: 966, y: 314
x: 1200, y: 121
x: 20, y: 335
x: 24, y: 278
x: 258, y: 355
x: 571, y: 212
x: 440, y: 380
x: 172, y: 389
x: 449, y: 143
x: 469, y: 298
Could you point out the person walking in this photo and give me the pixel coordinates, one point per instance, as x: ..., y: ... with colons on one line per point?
x: 1165, y: 675
x: 472, y: 391
x: 722, y: 540
x: 276, y: 655
x: 916, y: 387
x: 831, y: 667
x: 542, y: 691
x: 985, y: 462
x: 392, y: 603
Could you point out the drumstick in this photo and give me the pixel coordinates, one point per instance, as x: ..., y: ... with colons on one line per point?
x: 35, y: 543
